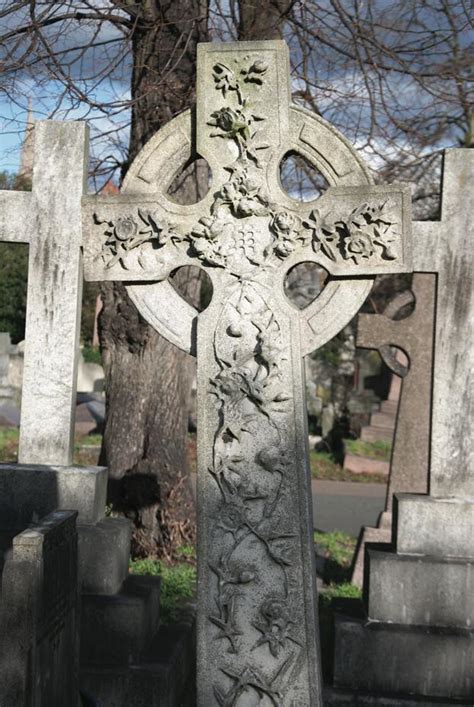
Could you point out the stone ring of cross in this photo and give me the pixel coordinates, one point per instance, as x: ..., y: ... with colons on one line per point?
x: 257, y: 612
x: 244, y: 126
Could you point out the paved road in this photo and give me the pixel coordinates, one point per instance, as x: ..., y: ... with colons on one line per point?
x: 347, y: 506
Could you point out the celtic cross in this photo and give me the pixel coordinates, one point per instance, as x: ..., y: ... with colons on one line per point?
x: 257, y: 609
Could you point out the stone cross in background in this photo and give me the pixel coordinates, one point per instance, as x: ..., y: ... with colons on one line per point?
x: 49, y: 220
x: 257, y: 610
x: 410, y: 455
x: 419, y: 594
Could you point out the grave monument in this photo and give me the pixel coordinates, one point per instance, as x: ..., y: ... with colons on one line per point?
x: 417, y: 634
x: 410, y: 455
x: 257, y: 611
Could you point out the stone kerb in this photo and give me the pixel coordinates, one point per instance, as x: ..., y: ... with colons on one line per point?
x: 39, y: 615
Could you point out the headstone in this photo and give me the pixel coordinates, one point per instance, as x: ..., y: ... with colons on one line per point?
x: 419, y: 638
x: 410, y: 453
x: 39, y: 611
x: 6, y: 392
x: 48, y: 218
x: 257, y: 610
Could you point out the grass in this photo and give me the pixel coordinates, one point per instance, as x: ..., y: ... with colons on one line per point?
x: 9, y: 444
x: 381, y: 449
x: 86, y: 452
x: 178, y: 584
x: 336, y: 546
x: 323, y: 467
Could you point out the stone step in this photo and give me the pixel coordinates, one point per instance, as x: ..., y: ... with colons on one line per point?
x: 117, y: 628
x: 434, y: 526
x: 390, y: 406
x: 103, y: 555
x: 348, y: 698
x: 365, y: 465
x: 371, y: 433
x: 389, y: 658
x: 383, y: 419
x: 420, y: 590
x: 164, y: 676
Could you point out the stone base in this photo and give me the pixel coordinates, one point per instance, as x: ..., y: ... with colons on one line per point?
x: 383, y: 658
x: 367, y: 535
x: 365, y: 465
x: 376, y: 434
x: 29, y: 491
x: 421, y: 590
x: 344, y: 698
x: 426, y: 525
x: 104, y: 552
x: 116, y: 629
x: 164, y: 677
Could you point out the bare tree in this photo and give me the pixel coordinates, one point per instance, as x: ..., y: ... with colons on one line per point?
x: 395, y: 78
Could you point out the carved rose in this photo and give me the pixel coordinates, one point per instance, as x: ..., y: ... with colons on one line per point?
x: 275, y: 625
x: 285, y: 248
x: 357, y: 244
x: 230, y: 122
x: 125, y: 228
x: 283, y: 223
x: 231, y: 518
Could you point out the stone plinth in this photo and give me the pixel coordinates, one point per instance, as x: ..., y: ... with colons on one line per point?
x: 39, y: 614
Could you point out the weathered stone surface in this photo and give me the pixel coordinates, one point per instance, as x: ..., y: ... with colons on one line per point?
x: 104, y: 552
x: 424, y: 525
x: 38, y: 616
x: 31, y: 491
x: 365, y: 465
x: 445, y: 248
x: 414, y: 335
x: 387, y: 658
x: 256, y: 589
x: 164, y: 678
x: 422, y: 590
x: 116, y: 629
x: 49, y: 218
x: 348, y: 698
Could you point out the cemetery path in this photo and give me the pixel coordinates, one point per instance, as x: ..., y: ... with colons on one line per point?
x: 346, y: 506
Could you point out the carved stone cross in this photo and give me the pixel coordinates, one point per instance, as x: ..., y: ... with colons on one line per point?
x: 49, y: 219
x: 257, y: 609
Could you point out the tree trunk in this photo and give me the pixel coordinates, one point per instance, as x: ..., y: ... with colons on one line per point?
x: 147, y: 378
x: 262, y: 19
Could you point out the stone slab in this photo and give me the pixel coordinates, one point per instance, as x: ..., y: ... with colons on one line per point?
x: 104, y: 552
x: 116, y: 629
x: 445, y: 248
x: 54, y: 293
x: 434, y: 526
x: 372, y: 433
x: 348, y: 698
x: 31, y: 491
x: 367, y: 535
x: 403, y: 660
x: 365, y: 465
x: 421, y: 590
x: 165, y: 677
x: 383, y: 419
x: 389, y: 406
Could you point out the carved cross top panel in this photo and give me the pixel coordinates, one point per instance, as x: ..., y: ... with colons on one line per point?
x: 257, y: 613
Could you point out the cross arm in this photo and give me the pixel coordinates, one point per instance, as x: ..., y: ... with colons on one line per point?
x: 132, y: 238
x: 354, y: 231
x: 15, y: 216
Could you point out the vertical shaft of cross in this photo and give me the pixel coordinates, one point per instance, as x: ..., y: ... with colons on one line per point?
x: 54, y: 285
x: 257, y: 622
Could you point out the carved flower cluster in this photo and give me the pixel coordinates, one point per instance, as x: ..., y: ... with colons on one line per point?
x: 126, y: 233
